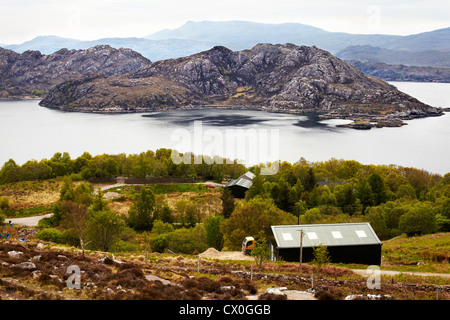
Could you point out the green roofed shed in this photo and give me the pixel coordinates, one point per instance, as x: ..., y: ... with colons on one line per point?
x: 346, y: 242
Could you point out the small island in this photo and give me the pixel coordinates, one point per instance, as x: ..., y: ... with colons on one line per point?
x: 275, y: 78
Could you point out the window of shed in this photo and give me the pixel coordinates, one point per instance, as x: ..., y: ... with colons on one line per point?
x: 336, y: 234
x: 312, y: 235
x: 361, y: 233
x: 287, y: 236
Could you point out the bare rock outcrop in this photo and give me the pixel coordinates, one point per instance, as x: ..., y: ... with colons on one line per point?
x: 277, y: 78
x: 32, y: 73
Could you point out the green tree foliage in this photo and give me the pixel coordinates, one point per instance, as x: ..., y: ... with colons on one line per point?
x: 378, y: 188
x: 188, y: 241
x: 162, y: 211
x: 98, y: 203
x: 321, y: 258
x: 418, y: 220
x: 261, y: 252
x: 346, y: 198
x: 50, y: 234
x: 365, y: 194
x: 4, y: 203
x: 310, y: 180
x: 284, y: 195
x: 104, y: 229
x: 214, y: 238
x: 75, y: 220
x: 250, y: 218
x: 160, y: 227
x: 144, y: 165
x: 256, y: 187
x: 187, y: 212
x: 140, y: 215
x: 227, y: 202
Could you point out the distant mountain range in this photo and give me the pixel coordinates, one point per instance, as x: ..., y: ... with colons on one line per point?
x: 366, y: 53
x: 195, y: 37
x: 239, y: 35
x: 151, y: 49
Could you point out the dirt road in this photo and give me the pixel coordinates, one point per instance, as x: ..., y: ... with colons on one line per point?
x: 364, y: 272
x: 28, y: 221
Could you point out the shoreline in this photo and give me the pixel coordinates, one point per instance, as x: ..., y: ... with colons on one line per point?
x: 359, y: 121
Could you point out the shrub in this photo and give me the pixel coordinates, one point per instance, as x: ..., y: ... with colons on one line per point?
x: 160, y: 227
x: 50, y: 234
x: 160, y: 243
x: 124, y: 246
x: 188, y: 241
x: 4, y: 203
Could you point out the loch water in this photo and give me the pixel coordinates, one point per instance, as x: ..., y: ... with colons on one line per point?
x: 28, y: 131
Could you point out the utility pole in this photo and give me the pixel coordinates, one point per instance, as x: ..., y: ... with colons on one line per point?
x: 301, y: 251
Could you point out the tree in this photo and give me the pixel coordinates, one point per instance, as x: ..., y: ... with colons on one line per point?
x: 187, y: 211
x: 67, y: 192
x: 379, y: 189
x: 227, y: 202
x: 75, y: 220
x: 282, y: 196
x: 364, y: 194
x: 140, y: 215
x: 261, y: 252
x: 310, y: 180
x: 214, y: 238
x: 164, y: 213
x: 321, y: 258
x: 257, y: 186
x: 376, y: 218
x: 189, y: 241
x: 418, y: 220
x: 160, y: 227
x: 406, y: 191
x: 98, y: 204
x: 250, y: 219
x: 346, y: 198
x: 10, y: 172
x: 104, y: 229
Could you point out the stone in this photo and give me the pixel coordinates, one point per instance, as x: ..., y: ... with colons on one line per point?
x: 25, y: 265
x: 15, y: 254
x: 36, y: 274
x: 369, y: 297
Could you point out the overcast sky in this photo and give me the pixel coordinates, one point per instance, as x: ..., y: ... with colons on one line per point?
x: 22, y: 20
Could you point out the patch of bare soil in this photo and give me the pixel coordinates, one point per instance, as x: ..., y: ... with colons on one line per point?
x: 212, y: 253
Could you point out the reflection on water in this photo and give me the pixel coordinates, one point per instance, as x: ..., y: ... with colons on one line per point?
x: 217, y: 118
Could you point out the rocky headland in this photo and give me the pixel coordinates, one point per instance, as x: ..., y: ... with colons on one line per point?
x: 31, y: 73
x: 275, y: 78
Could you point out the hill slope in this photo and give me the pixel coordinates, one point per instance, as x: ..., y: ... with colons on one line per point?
x: 21, y: 74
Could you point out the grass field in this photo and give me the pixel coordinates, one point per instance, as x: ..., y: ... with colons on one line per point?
x: 427, y: 253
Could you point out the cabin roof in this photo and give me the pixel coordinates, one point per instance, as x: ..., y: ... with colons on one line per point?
x: 339, y: 234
